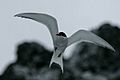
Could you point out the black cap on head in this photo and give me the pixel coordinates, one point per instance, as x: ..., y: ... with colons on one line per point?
x: 61, y: 34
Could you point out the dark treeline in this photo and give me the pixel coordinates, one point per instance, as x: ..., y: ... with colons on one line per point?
x: 89, y: 61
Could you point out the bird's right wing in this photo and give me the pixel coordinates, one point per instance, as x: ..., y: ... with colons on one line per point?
x: 87, y: 36
x: 45, y: 19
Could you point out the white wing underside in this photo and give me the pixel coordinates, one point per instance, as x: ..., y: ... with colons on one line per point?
x: 87, y: 36
x: 45, y: 19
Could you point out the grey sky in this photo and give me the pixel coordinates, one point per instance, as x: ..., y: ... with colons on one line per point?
x: 70, y: 14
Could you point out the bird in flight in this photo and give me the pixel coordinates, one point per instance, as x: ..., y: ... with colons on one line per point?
x: 60, y: 40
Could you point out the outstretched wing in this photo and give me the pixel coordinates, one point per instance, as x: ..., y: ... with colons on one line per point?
x: 45, y: 19
x: 87, y: 36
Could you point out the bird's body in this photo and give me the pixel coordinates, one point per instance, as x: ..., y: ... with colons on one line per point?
x: 61, y: 43
x: 60, y: 40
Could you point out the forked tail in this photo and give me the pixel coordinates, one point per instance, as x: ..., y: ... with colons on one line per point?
x: 58, y: 60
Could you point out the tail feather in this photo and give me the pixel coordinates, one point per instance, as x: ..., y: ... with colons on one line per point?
x: 57, y: 60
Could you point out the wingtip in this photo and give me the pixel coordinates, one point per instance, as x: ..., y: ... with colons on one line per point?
x: 113, y: 49
x: 19, y: 15
x: 15, y: 15
x: 110, y: 47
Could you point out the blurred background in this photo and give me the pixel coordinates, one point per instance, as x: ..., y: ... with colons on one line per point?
x: 71, y: 16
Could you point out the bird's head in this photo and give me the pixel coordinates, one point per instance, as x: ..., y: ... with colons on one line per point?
x: 61, y: 34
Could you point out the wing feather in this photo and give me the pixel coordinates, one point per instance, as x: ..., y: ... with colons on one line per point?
x: 45, y: 19
x: 87, y: 36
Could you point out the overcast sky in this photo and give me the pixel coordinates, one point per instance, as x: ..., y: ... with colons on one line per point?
x: 71, y: 15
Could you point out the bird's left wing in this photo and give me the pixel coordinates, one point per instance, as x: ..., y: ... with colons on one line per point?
x: 45, y: 19
x: 87, y: 36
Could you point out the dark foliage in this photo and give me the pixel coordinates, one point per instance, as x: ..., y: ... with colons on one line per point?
x: 89, y: 61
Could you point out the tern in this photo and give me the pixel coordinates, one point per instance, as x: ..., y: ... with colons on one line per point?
x: 60, y: 39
